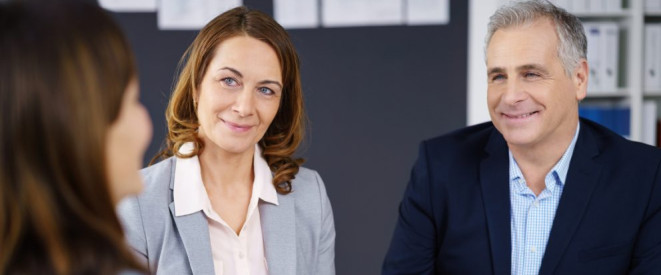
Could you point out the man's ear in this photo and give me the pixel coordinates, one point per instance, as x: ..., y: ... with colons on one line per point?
x: 580, y: 79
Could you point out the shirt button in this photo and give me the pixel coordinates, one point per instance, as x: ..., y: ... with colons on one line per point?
x: 535, y: 204
x: 533, y: 249
x: 241, y: 255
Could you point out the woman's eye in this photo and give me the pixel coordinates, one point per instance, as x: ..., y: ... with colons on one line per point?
x: 229, y: 81
x: 266, y: 91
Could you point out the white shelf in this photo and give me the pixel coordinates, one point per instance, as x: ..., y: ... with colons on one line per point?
x: 604, y: 15
x: 653, y: 93
x: 653, y: 13
x: 633, y: 18
x: 619, y: 93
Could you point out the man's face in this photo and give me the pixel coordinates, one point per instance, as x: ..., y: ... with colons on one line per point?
x: 532, y: 101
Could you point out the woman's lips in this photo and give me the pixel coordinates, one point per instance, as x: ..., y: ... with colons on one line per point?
x: 235, y: 127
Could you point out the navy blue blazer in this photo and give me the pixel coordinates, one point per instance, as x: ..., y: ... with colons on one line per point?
x: 455, y: 214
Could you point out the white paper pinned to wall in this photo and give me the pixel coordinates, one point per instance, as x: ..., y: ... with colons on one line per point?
x: 346, y: 13
x: 191, y: 14
x: 294, y: 14
x: 129, y: 5
x: 426, y: 12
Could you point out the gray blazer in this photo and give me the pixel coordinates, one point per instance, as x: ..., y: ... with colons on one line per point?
x: 299, y: 233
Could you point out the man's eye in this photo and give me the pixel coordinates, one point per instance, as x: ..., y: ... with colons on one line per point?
x: 497, y: 77
x: 531, y: 75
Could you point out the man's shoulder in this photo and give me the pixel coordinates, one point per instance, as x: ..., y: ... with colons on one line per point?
x: 614, y: 146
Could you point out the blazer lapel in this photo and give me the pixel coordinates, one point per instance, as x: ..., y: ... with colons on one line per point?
x: 279, y: 233
x: 194, y: 233
x: 582, y: 178
x: 494, y: 179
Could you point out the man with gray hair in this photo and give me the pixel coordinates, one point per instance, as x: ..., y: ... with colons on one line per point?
x: 537, y: 190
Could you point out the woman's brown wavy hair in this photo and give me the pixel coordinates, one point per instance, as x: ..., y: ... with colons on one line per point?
x: 285, y: 133
x: 65, y: 68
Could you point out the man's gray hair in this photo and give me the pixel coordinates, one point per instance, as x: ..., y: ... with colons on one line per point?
x: 572, y: 45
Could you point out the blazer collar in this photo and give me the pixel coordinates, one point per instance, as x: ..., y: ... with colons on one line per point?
x: 582, y: 178
x: 494, y: 181
x: 279, y: 233
x: 194, y: 232
x: 277, y: 217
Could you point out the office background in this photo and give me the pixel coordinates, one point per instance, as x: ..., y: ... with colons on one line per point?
x: 371, y: 93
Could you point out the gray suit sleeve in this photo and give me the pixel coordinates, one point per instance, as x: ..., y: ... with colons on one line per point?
x: 130, y: 216
x: 326, y: 260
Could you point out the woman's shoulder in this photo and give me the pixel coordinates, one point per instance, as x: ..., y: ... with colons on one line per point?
x: 149, y: 209
x: 307, y: 179
x: 306, y: 175
x: 161, y: 169
x: 308, y: 186
x: 157, y: 180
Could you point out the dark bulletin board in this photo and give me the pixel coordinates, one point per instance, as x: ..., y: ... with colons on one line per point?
x: 371, y: 93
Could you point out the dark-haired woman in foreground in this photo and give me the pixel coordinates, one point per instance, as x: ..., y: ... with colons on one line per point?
x: 72, y: 138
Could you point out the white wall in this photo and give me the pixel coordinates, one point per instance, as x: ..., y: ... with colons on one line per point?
x: 479, y: 12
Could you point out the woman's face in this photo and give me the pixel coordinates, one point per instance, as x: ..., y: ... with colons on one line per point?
x: 127, y: 140
x: 239, y: 95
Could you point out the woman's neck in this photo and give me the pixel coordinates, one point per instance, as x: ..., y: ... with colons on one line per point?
x: 226, y: 170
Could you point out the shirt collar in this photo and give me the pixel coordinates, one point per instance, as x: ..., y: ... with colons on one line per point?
x: 562, y: 167
x: 189, y: 193
x: 263, y: 178
x: 558, y: 172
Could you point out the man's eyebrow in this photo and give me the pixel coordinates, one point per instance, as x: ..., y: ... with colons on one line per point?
x: 537, y: 67
x: 496, y: 70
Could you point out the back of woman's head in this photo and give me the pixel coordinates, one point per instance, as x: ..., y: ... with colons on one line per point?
x: 63, y: 71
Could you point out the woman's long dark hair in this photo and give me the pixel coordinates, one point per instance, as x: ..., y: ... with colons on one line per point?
x: 64, y: 67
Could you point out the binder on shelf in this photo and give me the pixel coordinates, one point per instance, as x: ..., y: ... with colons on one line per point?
x: 652, y: 5
x: 580, y: 6
x: 612, y: 116
x: 595, y: 6
x: 590, y: 6
x: 565, y: 4
x: 649, y: 122
x: 613, y: 5
x: 593, y: 35
x: 652, y: 58
x: 603, y: 55
x: 610, y: 55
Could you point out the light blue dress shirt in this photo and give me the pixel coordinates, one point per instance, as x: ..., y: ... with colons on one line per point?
x: 532, y: 216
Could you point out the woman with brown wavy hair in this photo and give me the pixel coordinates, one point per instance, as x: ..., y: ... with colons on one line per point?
x: 230, y: 198
x: 72, y: 139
